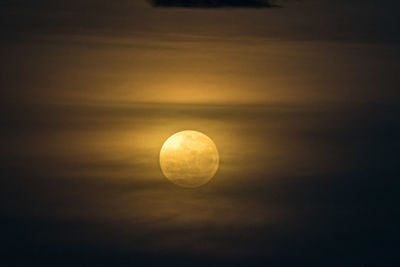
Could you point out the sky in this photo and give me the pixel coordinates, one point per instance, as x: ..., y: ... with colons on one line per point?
x: 308, y: 51
x: 300, y: 97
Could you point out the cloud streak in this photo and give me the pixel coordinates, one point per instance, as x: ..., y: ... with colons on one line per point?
x: 213, y: 3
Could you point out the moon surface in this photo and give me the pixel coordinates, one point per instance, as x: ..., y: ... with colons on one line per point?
x: 189, y: 159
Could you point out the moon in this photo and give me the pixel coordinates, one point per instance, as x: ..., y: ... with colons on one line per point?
x: 189, y: 159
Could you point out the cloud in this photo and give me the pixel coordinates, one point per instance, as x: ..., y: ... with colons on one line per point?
x: 213, y: 3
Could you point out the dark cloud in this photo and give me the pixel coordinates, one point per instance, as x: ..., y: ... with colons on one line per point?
x: 349, y: 21
x: 308, y: 185
x: 213, y: 3
x: 298, y: 184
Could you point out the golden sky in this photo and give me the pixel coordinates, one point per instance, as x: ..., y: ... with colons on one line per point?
x: 301, y: 102
x: 131, y: 52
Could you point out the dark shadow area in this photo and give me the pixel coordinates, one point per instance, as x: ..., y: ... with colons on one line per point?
x: 213, y: 3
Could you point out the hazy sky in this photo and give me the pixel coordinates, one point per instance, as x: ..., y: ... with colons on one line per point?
x: 301, y: 101
x: 309, y: 51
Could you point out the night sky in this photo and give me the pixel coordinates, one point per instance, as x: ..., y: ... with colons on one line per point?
x: 300, y: 97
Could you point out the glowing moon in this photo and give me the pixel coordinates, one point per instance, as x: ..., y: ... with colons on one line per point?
x: 189, y: 159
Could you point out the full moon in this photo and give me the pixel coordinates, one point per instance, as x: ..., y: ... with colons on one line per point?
x: 189, y: 159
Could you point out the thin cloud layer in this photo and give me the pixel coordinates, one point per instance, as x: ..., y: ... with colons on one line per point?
x: 213, y: 3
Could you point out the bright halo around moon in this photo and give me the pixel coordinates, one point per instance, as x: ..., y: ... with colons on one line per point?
x: 189, y: 159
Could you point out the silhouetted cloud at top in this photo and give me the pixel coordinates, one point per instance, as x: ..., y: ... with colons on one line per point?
x: 213, y: 3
